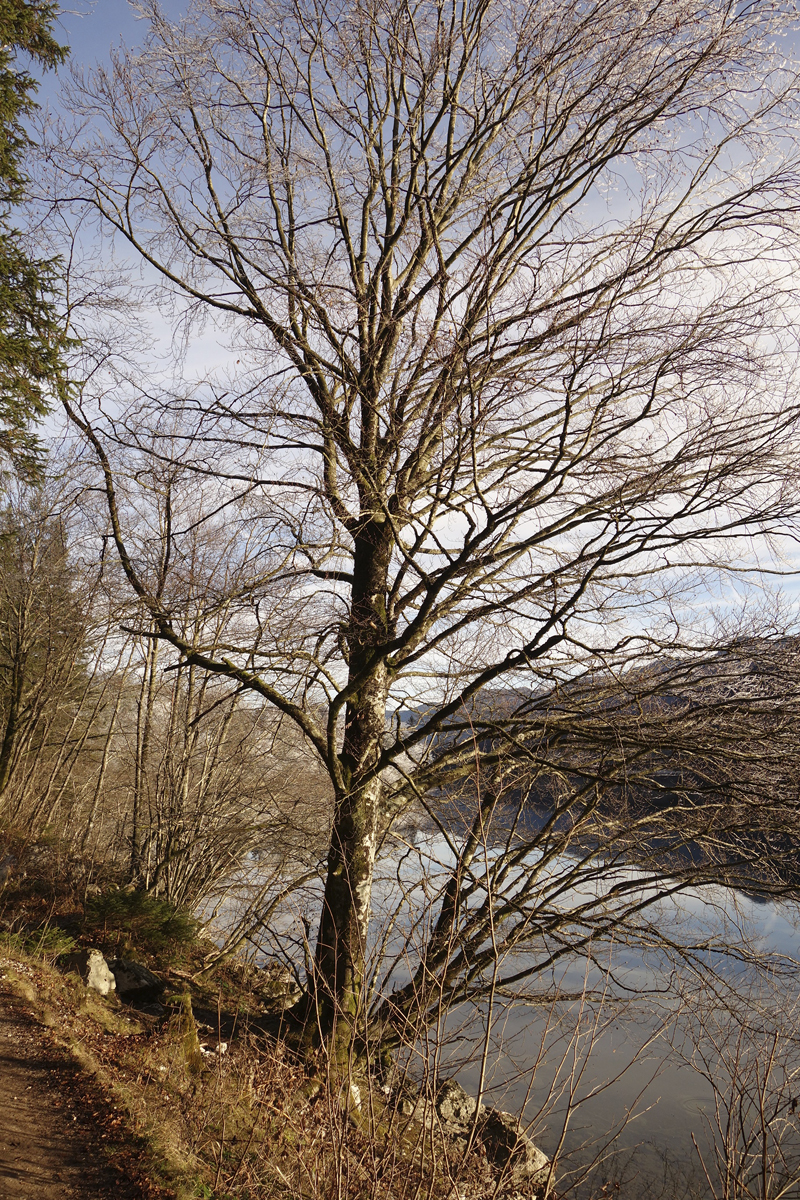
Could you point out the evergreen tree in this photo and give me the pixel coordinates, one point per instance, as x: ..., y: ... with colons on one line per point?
x: 31, y: 340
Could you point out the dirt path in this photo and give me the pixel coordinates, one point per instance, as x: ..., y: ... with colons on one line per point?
x: 60, y: 1139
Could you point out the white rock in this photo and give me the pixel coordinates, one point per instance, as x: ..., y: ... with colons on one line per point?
x: 93, y: 970
x: 215, y: 1050
x: 99, y: 976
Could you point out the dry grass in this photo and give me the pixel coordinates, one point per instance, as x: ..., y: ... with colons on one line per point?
x: 251, y: 1123
x: 256, y: 1122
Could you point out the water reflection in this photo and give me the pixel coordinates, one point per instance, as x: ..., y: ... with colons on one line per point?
x: 619, y: 1067
x: 619, y: 1063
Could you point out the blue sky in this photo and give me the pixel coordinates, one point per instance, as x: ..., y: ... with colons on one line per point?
x: 91, y: 27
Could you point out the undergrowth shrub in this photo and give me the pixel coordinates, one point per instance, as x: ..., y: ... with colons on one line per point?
x: 49, y: 942
x: 140, y: 918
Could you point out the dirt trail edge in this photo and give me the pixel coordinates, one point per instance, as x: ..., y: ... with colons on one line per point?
x: 60, y: 1137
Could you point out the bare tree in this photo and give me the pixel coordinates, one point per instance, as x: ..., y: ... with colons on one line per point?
x: 747, y: 1144
x: 511, y: 292
x: 197, y: 775
x: 204, y: 783
x: 45, y: 634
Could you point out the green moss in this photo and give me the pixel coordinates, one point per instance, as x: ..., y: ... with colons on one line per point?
x: 192, y: 1055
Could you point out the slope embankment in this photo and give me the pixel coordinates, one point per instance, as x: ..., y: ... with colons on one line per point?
x: 60, y: 1137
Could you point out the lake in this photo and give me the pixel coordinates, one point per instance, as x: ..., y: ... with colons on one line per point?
x: 621, y: 1085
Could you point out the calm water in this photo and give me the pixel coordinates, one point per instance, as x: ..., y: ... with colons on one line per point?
x: 620, y: 1073
x: 616, y: 1075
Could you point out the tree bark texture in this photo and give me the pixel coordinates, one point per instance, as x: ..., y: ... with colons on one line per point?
x: 344, y: 924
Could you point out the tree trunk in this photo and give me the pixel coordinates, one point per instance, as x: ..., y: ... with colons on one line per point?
x: 340, y: 958
x: 12, y: 725
x: 144, y: 723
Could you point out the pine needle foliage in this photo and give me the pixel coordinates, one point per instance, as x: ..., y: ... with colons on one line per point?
x: 31, y: 340
x: 136, y: 917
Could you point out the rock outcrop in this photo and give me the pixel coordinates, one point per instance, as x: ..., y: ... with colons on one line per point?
x: 516, y: 1163
x: 512, y: 1152
x: 93, y: 970
x: 277, y: 986
x: 454, y: 1106
x: 134, y: 982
